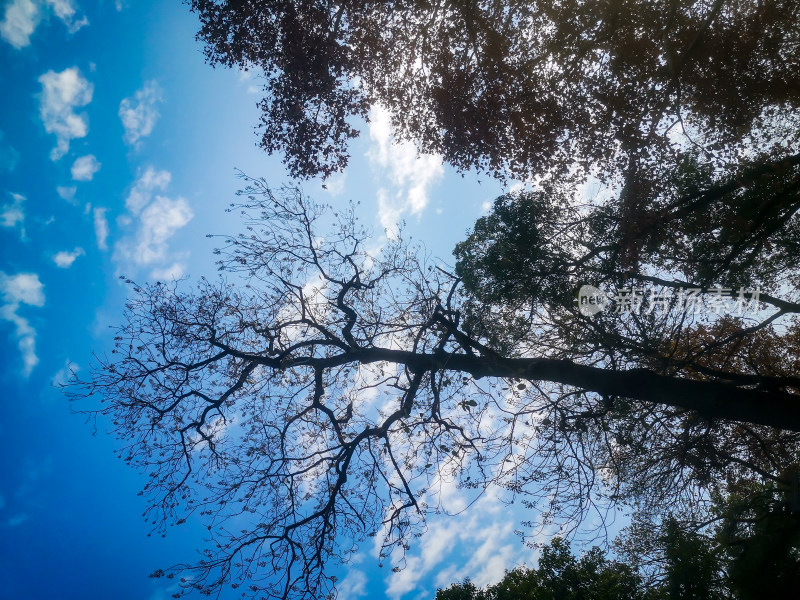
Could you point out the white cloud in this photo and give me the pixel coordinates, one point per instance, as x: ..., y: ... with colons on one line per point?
x: 64, y: 259
x: 353, y: 586
x: 84, y: 168
x: 13, y: 213
x: 19, y: 22
x: 156, y: 218
x: 101, y: 227
x: 491, y: 557
x: 67, y: 192
x: 64, y: 374
x: 173, y: 272
x: 142, y: 192
x: 62, y: 93
x: 480, y: 546
x: 336, y: 184
x: 9, y: 157
x: 390, y: 212
x: 139, y: 113
x: 411, y: 173
x: 23, y: 288
x: 22, y: 17
x: 440, y: 539
x: 66, y: 11
x: 159, y: 222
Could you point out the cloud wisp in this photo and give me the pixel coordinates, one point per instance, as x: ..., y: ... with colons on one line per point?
x: 101, y: 227
x: 9, y: 157
x: 12, y: 214
x: 22, y: 17
x: 65, y: 374
x: 61, y: 94
x: 139, y: 113
x: 65, y: 258
x: 17, y: 290
x: 85, y: 167
x: 67, y: 192
x: 158, y: 218
x: 411, y: 174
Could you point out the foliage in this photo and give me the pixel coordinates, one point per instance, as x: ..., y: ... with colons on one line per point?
x: 328, y: 395
x: 760, y: 531
x: 749, y: 548
x: 324, y: 393
x: 692, y: 568
x: 513, y: 87
x: 753, y: 552
x: 519, y: 251
x: 560, y: 575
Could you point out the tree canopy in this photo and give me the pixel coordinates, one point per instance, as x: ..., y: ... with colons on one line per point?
x: 516, y: 87
x: 327, y: 394
x: 560, y: 575
x: 750, y: 551
x: 324, y: 392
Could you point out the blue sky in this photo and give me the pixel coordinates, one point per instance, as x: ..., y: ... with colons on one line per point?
x: 118, y: 150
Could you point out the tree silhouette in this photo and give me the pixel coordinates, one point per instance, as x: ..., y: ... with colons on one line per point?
x: 518, y: 87
x: 560, y: 575
x: 325, y: 393
x: 324, y: 396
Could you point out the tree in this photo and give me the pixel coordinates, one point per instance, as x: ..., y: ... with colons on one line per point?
x: 692, y: 569
x: 325, y: 395
x: 752, y: 552
x: 760, y: 532
x: 748, y: 548
x: 523, y: 262
x: 519, y: 87
x: 559, y: 575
